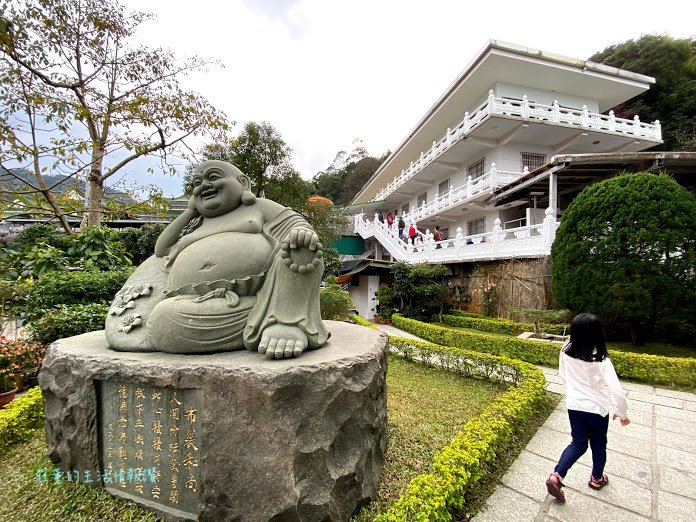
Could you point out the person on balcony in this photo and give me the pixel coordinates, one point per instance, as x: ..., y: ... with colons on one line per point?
x: 380, y: 216
x: 390, y: 219
x: 402, y: 225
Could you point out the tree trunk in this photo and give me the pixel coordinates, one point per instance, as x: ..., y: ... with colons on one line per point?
x: 95, y: 189
x: 93, y: 215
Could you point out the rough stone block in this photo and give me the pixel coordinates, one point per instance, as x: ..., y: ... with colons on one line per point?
x: 291, y: 439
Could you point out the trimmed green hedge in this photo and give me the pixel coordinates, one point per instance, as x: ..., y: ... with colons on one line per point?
x: 504, y: 326
x: 21, y: 418
x: 70, y: 288
x: 355, y: 318
x: 68, y: 320
x: 460, y: 464
x: 651, y: 369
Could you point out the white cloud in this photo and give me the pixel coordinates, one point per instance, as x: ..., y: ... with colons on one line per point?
x: 325, y: 72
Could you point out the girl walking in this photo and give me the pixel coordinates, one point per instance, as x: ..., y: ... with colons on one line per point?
x: 592, y: 392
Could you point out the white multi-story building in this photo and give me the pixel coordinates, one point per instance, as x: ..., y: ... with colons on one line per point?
x: 509, y: 115
x: 487, y: 162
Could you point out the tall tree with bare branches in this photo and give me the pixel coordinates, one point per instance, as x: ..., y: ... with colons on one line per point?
x: 78, y: 99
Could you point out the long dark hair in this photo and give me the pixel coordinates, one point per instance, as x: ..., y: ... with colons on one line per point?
x: 587, y: 339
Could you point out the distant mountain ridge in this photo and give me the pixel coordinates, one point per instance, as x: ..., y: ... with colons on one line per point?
x: 61, y: 184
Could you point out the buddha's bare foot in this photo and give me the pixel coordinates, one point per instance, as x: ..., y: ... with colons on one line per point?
x: 281, y: 340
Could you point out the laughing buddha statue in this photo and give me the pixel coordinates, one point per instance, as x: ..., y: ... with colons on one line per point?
x: 232, y: 271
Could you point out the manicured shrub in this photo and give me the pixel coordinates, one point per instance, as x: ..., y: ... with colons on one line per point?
x: 651, y: 369
x: 503, y: 326
x: 69, y: 288
x: 335, y: 303
x: 68, y: 320
x: 626, y: 250
x: 21, y: 418
x: 355, y: 318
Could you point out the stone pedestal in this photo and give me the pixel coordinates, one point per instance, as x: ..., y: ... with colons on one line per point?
x: 229, y: 436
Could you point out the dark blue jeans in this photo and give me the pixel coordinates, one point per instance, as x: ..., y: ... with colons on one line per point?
x: 585, y: 427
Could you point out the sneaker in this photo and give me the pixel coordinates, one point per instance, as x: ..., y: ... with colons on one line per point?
x: 598, y: 483
x: 554, y: 485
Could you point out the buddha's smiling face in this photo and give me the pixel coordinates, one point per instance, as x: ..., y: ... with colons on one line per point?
x: 217, y: 190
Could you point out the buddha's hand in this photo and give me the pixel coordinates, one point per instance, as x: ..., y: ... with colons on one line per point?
x: 301, y: 250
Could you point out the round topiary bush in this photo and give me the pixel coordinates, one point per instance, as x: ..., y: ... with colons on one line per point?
x: 626, y: 249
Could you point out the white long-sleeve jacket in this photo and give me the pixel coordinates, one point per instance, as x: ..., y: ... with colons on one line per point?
x: 592, y: 386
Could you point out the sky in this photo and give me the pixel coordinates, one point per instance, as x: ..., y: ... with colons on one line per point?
x: 327, y: 72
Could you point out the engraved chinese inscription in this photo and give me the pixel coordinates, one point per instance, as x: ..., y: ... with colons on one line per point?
x: 150, y: 440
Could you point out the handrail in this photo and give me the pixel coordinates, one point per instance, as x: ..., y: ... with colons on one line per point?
x: 533, y: 240
x: 489, y: 181
x: 554, y: 114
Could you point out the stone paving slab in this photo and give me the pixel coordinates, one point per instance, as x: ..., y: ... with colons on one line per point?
x: 678, y: 481
x: 646, y: 407
x: 686, y: 396
x: 629, y: 446
x: 618, y: 464
x: 634, y: 430
x: 509, y: 505
x: 676, y: 458
x: 619, y: 492
x: 634, y: 386
x: 672, y: 440
x: 675, y: 413
x: 682, y: 427
x: 523, y: 475
x: 655, y: 399
x: 643, y: 418
x: 582, y: 508
x: 672, y: 507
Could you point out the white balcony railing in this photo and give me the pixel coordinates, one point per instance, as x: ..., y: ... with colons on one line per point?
x: 469, y: 191
x: 495, y: 106
x: 534, y: 240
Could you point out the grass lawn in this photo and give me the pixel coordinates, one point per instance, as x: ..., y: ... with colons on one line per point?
x: 26, y: 500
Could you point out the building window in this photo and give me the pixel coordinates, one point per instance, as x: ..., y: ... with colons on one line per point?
x: 443, y: 188
x: 423, y: 198
x: 532, y: 160
x: 476, y: 226
x: 476, y: 170
x: 404, y: 209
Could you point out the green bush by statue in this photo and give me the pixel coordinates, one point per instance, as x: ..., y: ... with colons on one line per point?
x: 232, y: 271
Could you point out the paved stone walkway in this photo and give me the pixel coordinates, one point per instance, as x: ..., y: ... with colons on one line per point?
x: 651, y: 464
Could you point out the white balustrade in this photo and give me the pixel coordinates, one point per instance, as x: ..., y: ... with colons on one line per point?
x: 528, y: 110
x: 496, y: 244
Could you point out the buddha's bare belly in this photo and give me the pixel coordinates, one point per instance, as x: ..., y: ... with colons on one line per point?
x: 227, y: 255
